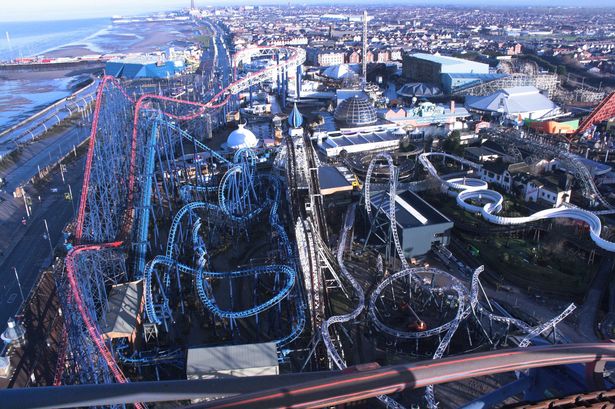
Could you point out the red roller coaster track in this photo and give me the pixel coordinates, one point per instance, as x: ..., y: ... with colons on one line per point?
x: 222, y: 97
x: 605, y: 110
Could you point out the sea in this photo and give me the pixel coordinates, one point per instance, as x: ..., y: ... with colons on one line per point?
x: 31, y: 38
x: 22, y: 97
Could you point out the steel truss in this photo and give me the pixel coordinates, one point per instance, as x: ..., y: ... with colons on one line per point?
x: 420, y: 281
x: 132, y: 180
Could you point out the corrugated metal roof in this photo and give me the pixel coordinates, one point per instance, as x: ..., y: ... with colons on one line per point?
x: 124, y: 302
x: 444, y: 60
x: 213, y: 359
x: 512, y: 100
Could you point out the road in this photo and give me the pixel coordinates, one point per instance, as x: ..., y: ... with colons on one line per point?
x: 38, y: 124
x: 42, y: 153
x: 32, y: 251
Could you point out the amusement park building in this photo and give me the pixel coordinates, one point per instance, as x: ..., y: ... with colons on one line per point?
x: 143, y: 67
x: 360, y: 140
x: 232, y: 361
x: 515, y: 103
x: 430, y: 68
x: 241, y: 137
x: 419, y: 225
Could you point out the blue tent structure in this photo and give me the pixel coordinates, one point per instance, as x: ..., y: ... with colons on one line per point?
x: 143, y: 68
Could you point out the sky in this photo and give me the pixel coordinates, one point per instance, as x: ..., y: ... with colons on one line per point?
x: 13, y: 10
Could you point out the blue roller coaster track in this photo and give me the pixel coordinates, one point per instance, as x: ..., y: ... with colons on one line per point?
x: 237, y: 203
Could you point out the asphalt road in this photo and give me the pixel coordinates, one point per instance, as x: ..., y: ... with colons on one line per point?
x: 38, y: 124
x: 42, y: 153
x: 32, y: 253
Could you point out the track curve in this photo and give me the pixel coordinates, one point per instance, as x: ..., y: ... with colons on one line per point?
x: 469, y: 189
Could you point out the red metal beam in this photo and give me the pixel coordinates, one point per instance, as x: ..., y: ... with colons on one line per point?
x: 604, y: 111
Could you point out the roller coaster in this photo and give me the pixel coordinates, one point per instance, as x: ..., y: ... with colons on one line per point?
x: 474, y: 196
x: 123, y: 201
x: 421, y: 285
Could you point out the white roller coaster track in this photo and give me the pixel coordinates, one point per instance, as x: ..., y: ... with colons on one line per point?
x: 468, y: 189
x: 326, y: 336
x: 572, y: 162
x: 392, y: 194
x: 467, y: 303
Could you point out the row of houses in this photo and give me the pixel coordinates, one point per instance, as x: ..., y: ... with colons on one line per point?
x: 326, y: 56
x: 541, y: 182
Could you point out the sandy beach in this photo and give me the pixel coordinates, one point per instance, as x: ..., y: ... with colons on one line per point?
x: 24, y: 92
x: 130, y: 38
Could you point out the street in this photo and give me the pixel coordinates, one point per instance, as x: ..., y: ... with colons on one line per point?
x: 32, y: 251
x: 41, y: 154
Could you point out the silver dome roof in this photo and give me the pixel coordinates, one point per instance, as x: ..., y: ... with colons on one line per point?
x: 356, y: 111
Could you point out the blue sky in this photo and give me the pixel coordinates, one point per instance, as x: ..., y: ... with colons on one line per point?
x: 13, y: 10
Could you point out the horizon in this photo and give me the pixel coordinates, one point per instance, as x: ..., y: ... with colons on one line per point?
x: 57, y: 11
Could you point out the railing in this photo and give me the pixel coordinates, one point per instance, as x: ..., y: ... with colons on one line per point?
x: 319, y: 389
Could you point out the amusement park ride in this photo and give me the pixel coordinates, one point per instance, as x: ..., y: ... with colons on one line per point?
x: 135, y: 184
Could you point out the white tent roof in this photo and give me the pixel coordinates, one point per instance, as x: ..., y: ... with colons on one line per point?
x: 513, y: 100
x: 339, y: 71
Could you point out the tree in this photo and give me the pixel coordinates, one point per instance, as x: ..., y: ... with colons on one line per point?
x: 452, y: 144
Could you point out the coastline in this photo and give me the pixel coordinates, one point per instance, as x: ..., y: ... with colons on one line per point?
x: 28, y: 91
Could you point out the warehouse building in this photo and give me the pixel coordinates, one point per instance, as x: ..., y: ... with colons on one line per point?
x: 419, y: 225
x: 431, y: 68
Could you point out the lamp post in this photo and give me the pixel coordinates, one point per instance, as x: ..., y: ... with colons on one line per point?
x: 19, y: 284
x: 48, y: 237
x: 72, y: 201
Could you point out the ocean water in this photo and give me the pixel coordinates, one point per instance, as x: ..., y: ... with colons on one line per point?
x: 26, y: 39
x: 21, y: 98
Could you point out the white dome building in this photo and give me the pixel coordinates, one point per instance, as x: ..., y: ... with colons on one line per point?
x: 241, y: 137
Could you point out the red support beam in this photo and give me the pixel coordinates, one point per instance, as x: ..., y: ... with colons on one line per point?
x: 604, y: 111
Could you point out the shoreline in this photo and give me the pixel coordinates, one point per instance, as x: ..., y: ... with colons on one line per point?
x: 27, y: 91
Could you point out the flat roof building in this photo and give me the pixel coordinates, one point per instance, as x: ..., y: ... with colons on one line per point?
x: 430, y: 68
x: 123, y: 309
x: 232, y: 360
x: 360, y: 140
x: 335, y: 179
x: 419, y: 225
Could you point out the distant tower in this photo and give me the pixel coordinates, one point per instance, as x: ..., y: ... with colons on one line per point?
x: 192, y: 5
x: 364, y: 54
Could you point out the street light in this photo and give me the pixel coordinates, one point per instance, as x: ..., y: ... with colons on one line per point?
x: 48, y: 237
x: 72, y: 201
x: 19, y: 284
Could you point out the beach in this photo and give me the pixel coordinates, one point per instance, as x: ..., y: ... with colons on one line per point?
x: 129, y: 38
x: 24, y: 92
